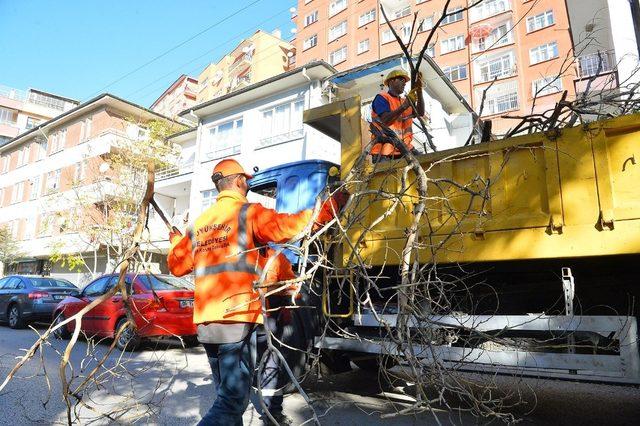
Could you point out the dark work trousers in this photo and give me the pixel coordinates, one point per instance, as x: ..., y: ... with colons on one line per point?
x: 232, y: 367
x: 274, y: 377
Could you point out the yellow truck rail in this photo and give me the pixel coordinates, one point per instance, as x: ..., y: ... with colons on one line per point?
x: 547, y: 195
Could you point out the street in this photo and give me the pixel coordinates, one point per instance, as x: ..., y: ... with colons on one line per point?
x: 165, y: 384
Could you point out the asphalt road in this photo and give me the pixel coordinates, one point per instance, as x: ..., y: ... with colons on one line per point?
x: 165, y: 384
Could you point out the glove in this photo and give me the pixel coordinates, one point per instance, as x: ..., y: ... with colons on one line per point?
x: 413, y: 94
x: 340, y: 198
x: 175, y: 233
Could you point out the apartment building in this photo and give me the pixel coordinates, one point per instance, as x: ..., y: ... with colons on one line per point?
x: 47, y: 171
x: 521, y: 44
x: 254, y: 59
x: 178, y: 97
x: 259, y: 125
x: 23, y: 110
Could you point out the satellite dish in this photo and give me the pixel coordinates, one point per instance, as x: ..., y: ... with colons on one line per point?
x: 104, y: 168
x: 292, y: 10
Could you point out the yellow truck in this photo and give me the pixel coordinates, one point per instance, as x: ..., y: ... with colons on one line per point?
x: 548, y: 222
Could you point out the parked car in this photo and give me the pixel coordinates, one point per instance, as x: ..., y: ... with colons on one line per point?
x: 25, y: 298
x: 162, y: 305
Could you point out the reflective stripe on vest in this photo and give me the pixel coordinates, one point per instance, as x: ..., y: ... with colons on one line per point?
x: 241, y: 264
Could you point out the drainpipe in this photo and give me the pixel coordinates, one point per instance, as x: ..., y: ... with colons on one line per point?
x: 635, y: 16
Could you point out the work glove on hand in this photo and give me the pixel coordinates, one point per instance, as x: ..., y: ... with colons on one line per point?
x: 175, y: 233
x: 341, y: 197
x: 413, y: 94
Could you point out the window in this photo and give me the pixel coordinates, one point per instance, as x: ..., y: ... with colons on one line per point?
x: 311, y: 18
x: 310, y: 42
x: 35, y: 187
x: 367, y: 17
x: 48, y: 101
x: 500, y: 98
x: 455, y: 16
x: 426, y: 24
x: 400, y: 13
x: 405, y: 32
x: 337, y: 6
x: 457, y: 72
x: 46, y: 224
x: 85, y: 129
x: 387, y: 36
x: 58, y: 140
x: 1, y: 197
x: 282, y: 123
x: 80, y: 172
x: 32, y: 122
x: 338, y: 56
x: 18, y: 193
x: 546, y: 86
x: 96, y: 288
x: 363, y: 46
x: 499, y: 66
x: 23, y: 156
x: 499, y: 36
x: 53, y: 181
x: 225, y: 139
x: 42, y: 149
x: 431, y: 50
x: 540, y: 21
x: 9, y: 116
x: 5, y: 163
x: 543, y: 53
x: 594, y: 63
x: 488, y: 8
x: 208, y: 198
x: 30, y: 228
x: 452, y: 44
x: 338, y: 30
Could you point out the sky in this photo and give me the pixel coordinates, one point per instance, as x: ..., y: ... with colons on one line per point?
x: 82, y: 48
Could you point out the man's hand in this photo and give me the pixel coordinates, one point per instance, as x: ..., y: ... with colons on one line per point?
x: 175, y: 233
x: 419, y: 80
x: 413, y: 94
x: 341, y: 197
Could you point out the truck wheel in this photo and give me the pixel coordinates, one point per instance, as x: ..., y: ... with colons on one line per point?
x: 63, y: 332
x: 128, y: 340
x: 373, y: 363
x: 14, y: 314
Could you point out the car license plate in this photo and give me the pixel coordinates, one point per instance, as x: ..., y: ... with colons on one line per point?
x: 58, y: 296
x: 186, y: 303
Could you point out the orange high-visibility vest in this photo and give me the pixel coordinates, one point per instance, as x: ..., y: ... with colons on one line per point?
x: 402, y: 126
x: 219, y: 250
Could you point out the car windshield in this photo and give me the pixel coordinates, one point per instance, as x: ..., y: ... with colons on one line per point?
x: 50, y: 283
x: 164, y: 282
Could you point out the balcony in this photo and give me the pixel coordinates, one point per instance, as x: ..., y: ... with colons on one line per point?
x: 595, y: 63
x: 489, y: 8
x: 172, y: 171
x: 281, y: 138
x: 240, y: 63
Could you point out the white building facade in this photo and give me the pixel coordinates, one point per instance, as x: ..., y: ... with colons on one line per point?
x: 260, y: 126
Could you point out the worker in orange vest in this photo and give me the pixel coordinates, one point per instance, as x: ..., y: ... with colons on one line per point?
x: 395, y: 111
x: 220, y: 250
x: 274, y: 378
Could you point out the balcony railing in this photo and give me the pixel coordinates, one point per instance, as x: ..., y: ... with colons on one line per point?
x: 11, y: 93
x: 280, y: 138
x: 596, y: 63
x: 244, y: 59
x: 488, y: 8
x: 173, y: 171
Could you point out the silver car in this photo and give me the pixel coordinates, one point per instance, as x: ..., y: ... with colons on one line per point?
x: 25, y: 298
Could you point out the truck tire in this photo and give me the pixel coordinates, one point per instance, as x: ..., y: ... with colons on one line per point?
x: 373, y: 363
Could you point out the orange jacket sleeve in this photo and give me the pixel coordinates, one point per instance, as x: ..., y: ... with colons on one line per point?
x: 180, y: 257
x: 270, y: 226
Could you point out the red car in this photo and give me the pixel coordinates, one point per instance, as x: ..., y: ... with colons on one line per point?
x: 162, y: 305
